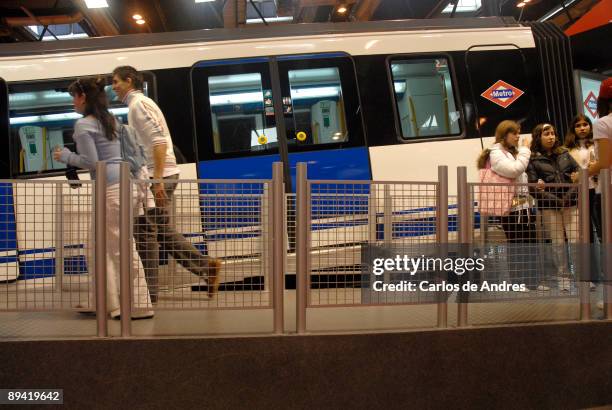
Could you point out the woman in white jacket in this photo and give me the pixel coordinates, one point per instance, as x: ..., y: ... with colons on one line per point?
x: 510, y: 159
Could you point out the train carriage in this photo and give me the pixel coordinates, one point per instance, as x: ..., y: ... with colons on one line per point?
x: 383, y: 101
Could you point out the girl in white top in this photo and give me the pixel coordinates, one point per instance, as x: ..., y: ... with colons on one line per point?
x: 509, y: 158
x: 579, y: 142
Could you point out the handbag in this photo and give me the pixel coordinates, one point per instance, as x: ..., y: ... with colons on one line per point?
x: 495, y: 200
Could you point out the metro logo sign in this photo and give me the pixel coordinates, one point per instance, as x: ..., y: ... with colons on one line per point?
x: 591, y: 104
x: 502, y: 93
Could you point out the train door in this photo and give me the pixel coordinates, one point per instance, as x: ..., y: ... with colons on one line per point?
x: 322, y: 117
x: 500, y: 88
x: 239, y: 134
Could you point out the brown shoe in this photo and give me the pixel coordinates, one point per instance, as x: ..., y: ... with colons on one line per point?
x: 214, y: 276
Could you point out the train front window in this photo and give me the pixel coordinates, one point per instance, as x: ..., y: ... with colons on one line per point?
x: 316, y: 106
x: 242, y: 113
x: 42, y: 118
x: 424, y: 98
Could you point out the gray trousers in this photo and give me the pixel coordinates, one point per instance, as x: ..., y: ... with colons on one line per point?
x: 154, y: 229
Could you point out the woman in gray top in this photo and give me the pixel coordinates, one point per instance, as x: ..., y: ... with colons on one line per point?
x: 96, y: 140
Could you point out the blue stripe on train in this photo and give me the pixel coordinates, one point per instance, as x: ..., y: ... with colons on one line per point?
x: 8, y: 228
x: 43, y: 268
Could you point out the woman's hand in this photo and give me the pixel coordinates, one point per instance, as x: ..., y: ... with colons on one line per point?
x: 524, y: 142
x: 57, y: 152
x: 540, y: 186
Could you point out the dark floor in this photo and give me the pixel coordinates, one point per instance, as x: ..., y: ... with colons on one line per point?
x: 536, y: 366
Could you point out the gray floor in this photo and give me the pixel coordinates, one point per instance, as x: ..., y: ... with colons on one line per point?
x: 247, y: 313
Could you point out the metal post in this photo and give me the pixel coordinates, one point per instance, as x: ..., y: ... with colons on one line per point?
x: 265, y: 216
x: 278, y: 250
x: 100, y: 252
x: 584, y: 265
x: 125, y: 249
x: 372, y: 214
x: 388, y: 215
x: 463, y: 226
x: 59, y: 237
x: 442, y: 236
x: 606, y: 213
x: 302, y: 250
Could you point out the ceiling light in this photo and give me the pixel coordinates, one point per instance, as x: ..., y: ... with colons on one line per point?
x: 141, y: 22
x: 203, y: 1
x: 341, y: 9
x: 137, y: 17
x: 96, y: 4
x: 521, y: 4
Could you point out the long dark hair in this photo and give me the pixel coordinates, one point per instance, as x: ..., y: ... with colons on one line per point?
x: 502, y: 130
x: 536, y: 140
x: 96, y: 102
x: 571, y: 140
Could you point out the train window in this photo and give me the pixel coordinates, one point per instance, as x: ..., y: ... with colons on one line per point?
x: 239, y: 107
x: 234, y: 109
x: 318, y: 92
x: 41, y: 118
x: 424, y: 98
x: 316, y: 104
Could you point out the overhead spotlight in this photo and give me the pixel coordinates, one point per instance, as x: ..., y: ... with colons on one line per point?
x: 137, y: 17
x: 526, y: 1
x: 96, y: 4
x: 140, y: 22
x: 341, y: 9
x: 204, y: 1
x: 521, y: 4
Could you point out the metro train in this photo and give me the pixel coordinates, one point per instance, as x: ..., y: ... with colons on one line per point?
x: 355, y: 101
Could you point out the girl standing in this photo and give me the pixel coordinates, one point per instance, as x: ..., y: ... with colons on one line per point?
x: 579, y: 142
x: 509, y: 159
x: 552, y: 164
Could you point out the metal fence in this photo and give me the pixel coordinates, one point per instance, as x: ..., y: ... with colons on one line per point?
x: 47, y: 245
x: 112, y: 250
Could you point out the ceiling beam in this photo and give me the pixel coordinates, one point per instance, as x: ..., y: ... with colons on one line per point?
x: 100, y: 20
x: 162, y: 16
x: 364, y: 10
x: 45, y: 20
x: 234, y: 13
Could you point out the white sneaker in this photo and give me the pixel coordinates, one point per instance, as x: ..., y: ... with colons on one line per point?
x: 142, y: 314
x: 543, y: 287
x: 523, y: 290
x: 600, y: 305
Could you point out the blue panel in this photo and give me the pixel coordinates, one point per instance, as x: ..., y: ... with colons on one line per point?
x: 8, y: 239
x: 37, y: 268
x: 345, y: 163
x: 227, y: 197
x: 75, y: 265
x: 255, y: 167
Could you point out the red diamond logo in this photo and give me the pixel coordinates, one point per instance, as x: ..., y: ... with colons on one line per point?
x: 502, y: 93
x: 591, y: 104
